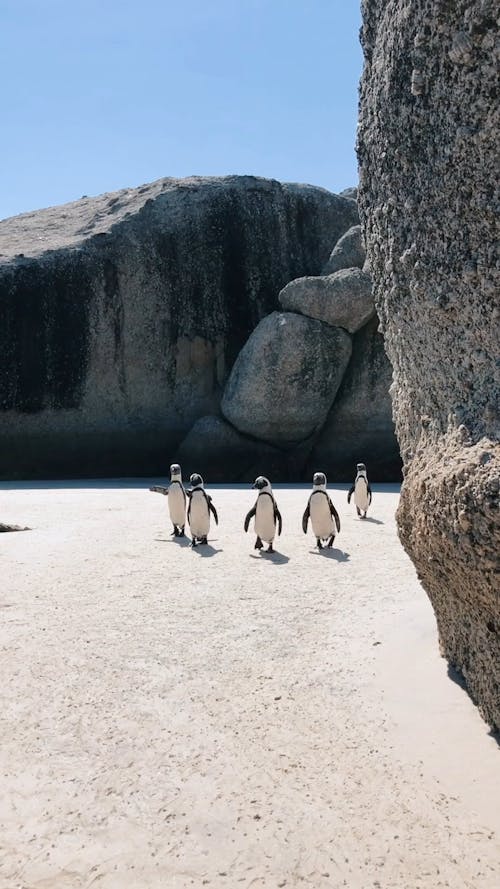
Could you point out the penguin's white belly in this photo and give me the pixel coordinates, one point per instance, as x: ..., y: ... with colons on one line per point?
x: 361, y: 498
x: 265, y: 527
x: 321, y: 518
x: 199, y: 516
x: 176, y: 504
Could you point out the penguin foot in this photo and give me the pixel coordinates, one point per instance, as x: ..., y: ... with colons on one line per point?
x: 330, y: 542
x: 318, y: 543
x: 203, y: 540
x: 194, y: 542
x: 362, y: 516
x: 174, y: 532
x: 270, y: 548
x: 358, y: 511
x: 258, y: 543
x: 181, y: 532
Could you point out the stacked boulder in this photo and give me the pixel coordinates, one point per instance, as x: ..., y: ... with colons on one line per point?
x: 310, y: 387
x: 122, y: 315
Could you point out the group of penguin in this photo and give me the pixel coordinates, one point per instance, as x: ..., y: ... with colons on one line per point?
x: 320, y: 510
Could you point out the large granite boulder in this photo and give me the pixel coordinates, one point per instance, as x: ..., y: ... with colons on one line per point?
x: 220, y: 453
x: 349, y: 252
x: 285, y: 379
x: 343, y: 299
x: 428, y: 153
x: 359, y: 427
x: 122, y: 315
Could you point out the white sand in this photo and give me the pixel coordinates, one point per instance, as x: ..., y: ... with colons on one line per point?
x: 175, y: 718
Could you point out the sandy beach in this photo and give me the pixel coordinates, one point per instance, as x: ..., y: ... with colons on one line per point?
x: 175, y: 718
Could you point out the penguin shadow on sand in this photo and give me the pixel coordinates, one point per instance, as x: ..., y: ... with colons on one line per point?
x: 275, y: 558
x: 205, y: 550
x: 372, y: 521
x: 338, y: 555
x: 179, y: 541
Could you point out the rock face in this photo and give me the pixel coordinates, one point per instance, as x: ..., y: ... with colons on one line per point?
x: 428, y: 155
x: 218, y: 451
x: 285, y: 379
x: 342, y: 300
x: 121, y: 316
x: 359, y: 427
x: 349, y: 252
x: 6, y: 528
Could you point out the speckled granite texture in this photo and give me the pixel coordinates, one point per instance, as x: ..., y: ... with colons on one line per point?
x: 428, y: 149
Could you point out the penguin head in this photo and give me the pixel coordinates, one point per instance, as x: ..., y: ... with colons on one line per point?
x: 319, y: 480
x: 196, y: 480
x: 361, y: 468
x: 262, y: 483
x: 175, y: 472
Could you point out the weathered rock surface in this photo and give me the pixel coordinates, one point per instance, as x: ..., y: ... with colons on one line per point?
x: 351, y: 193
x: 6, y: 528
x: 217, y: 450
x: 359, y: 427
x: 428, y: 149
x: 121, y: 315
x: 343, y: 299
x: 349, y: 252
x: 285, y: 379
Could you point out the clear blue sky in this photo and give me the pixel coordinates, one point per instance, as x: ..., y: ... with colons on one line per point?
x: 97, y: 95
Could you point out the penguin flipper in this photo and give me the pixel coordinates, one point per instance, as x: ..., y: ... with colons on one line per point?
x: 335, y: 515
x: 213, y: 510
x: 277, y: 517
x: 305, y: 518
x: 369, y: 495
x: 351, y: 492
x: 249, y: 516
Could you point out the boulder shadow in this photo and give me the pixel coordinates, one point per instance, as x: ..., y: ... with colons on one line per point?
x: 457, y: 677
x: 495, y: 735
x: 337, y: 554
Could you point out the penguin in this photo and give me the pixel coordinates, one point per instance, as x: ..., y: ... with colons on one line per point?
x: 176, y: 499
x: 320, y: 509
x: 266, y: 513
x: 361, y: 490
x: 199, y: 509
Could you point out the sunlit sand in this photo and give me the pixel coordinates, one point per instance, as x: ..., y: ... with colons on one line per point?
x: 219, y: 717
